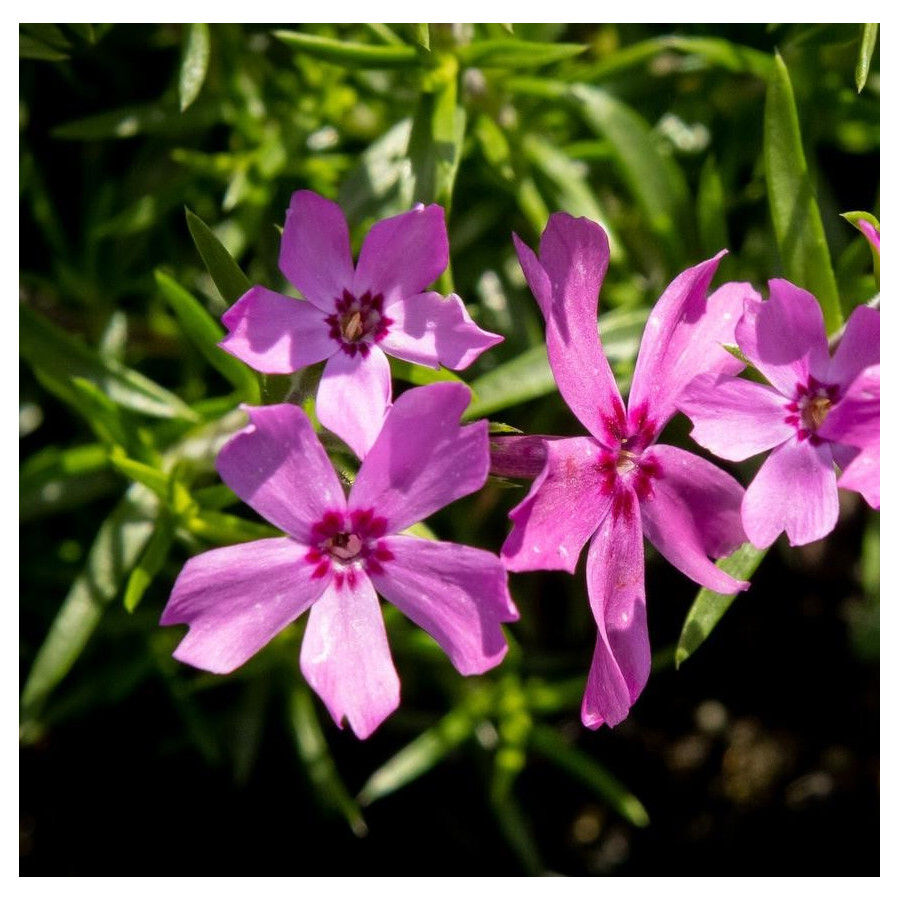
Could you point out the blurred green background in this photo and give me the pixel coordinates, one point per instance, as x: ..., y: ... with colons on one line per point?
x: 758, y: 755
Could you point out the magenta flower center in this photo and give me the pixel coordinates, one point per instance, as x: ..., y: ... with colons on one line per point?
x: 810, y: 408
x: 358, y: 322
x: 629, y: 464
x: 344, y: 544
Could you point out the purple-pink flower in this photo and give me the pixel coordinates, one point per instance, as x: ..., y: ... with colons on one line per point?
x: 619, y: 483
x: 352, y: 316
x: 340, y: 550
x: 813, y: 416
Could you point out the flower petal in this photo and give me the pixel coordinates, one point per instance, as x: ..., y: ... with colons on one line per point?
x: 354, y: 396
x: 402, y: 255
x: 856, y: 417
x: 315, y: 249
x: 574, y: 256
x: 433, y: 331
x: 519, y: 455
x: 785, y: 336
x: 684, y: 337
x: 345, y: 656
x: 863, y: 474
x: 859, y: 348
x: 615, y: 580
x: 733, y: 417
x: 423, y: 459
x: 794, y: 491
x: 236, y: 599
x: 277, y: 466
x: 457, y: 594
x: 694, y: 513
x: 276, y: 334
x: 564, y: 507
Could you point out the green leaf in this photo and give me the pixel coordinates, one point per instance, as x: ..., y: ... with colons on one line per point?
x: 550, y: 744
x: 512, y: 54
x: 418, y: 757
x: 226, y: 274
x: 419, y: 375
x: 711, y: 219
x: 528, y: 375
x: 351, y: 55
x: 223, y: 529
x: 48, y: 33
x: 709, y: 607
x: 32, y: 48
x: 149, y: 476
x: 130, y: 121
x: 205, y: 333
x: 152, y: 560
x: 51, y: 350
x: 867, y: 42
x: 421, y: 35
x: 320, y: 766
x: 107, y: 420
x: 194, y: 62
x: 795, y: 213
x: 653, y: 178
x: 854, y: 218
x: 435, y: 143
x: 117, y: 547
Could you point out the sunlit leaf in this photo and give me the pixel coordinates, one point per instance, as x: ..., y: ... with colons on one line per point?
x: 512, y: 54
x: 418, y: 757
x: 151, y: 561
x: 795, y: 213
x: 56, y: 352
x: 421, y: 35
x: 419, y: 375
x: 226, y: 274
x: 320, y: 766
x: 194, y: 62
x: 867, y: 42
x: 222, y: 529
x: 549, y: 743
x: 205, y: 333
x: 709, y: 607
x: 352, y: 55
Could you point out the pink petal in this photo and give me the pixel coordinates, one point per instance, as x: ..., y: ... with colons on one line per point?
x: 863, y: 474
x: 694, y: 513
x: 236, y: 599
x: 615, y: 579
x: 564, y: 507
x: 519, y: 455
x: 402, y: 255
x: 574, y: 256
x: 432, y: 331
x: 315, y: 249
x: 354, y: 397
x: 457, y: 594
x: 684, y: 337
x: 277, y: 466
x: 785, y: 336
x: 422, y: 459
x: 794, y: 491
x: 735, y: 418
x: 859, y: 348
x: 856, y: 418
x: 276, y: 334
x: 345, y: 656
x: 872, y: 234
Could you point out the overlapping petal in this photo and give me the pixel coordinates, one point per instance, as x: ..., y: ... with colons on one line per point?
x: 574, y: 256
x: 236, y: 599
x: 563, y: 509
x: 431, y: 330
x: 423, y: 458
x: 694, y: 513
x: 735, y: 418
x: 276, y: 334
x: 354, y: 396
x: 863, y: 474
x: 345, y: 656
x: 784, y: 337
x: 795, y: 491
x: 402, y: 255
x: 859, y: 348
x: 277, y: 466
x: 684, y: 337
x: 315, y: 249
x: 457, y: 594
x: 615, y: 579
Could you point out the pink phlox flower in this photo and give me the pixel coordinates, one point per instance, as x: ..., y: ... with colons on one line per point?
x: 818, y: 411
x: 340, y: 550
x: 352, y: 315
x: 872, y: 234
x: 619, y: 483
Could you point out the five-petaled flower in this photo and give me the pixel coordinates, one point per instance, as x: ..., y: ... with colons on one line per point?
x: 339, y: 550
x: 352, y: 315
x: 814, y: 415
x: 620, y: 482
